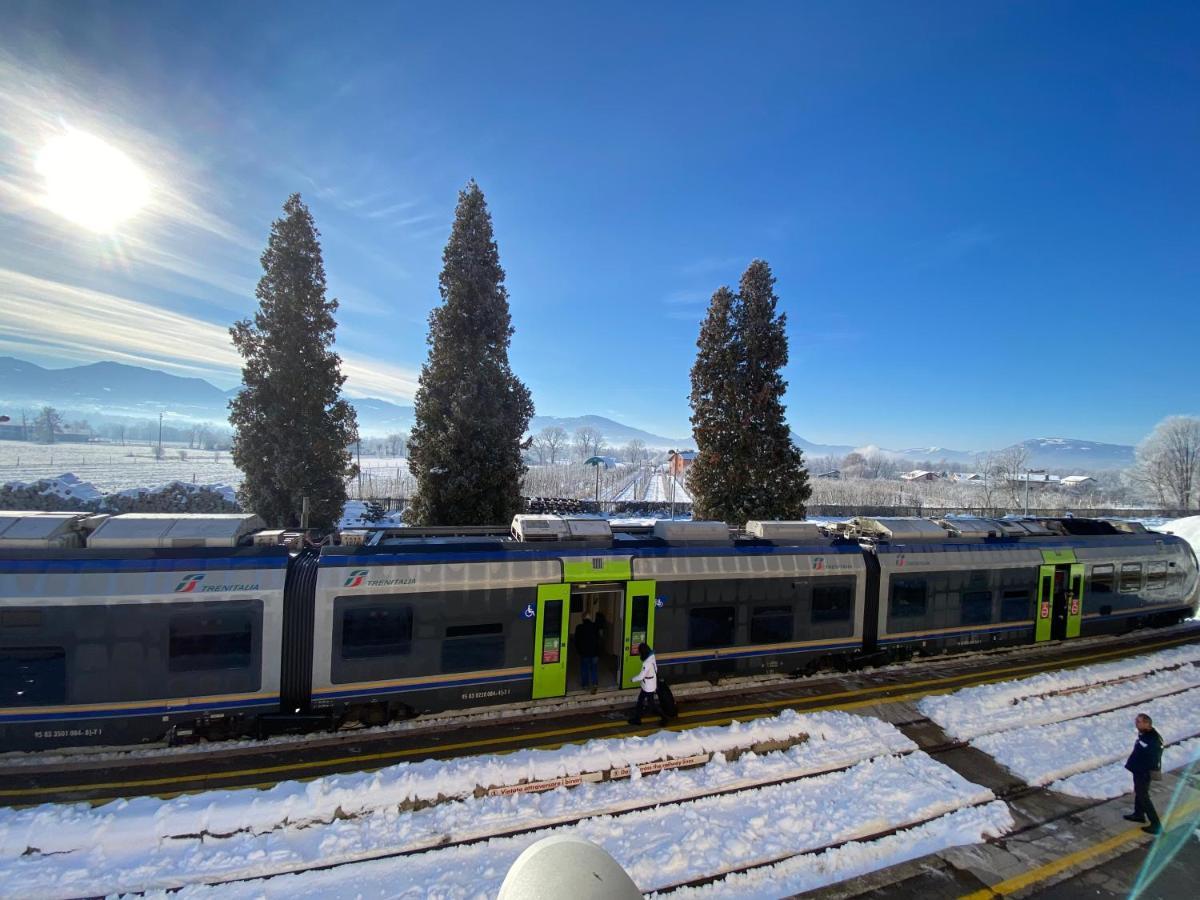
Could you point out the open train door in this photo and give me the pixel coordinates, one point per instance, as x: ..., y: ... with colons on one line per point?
x: 639, y: 627
x: 550, y: 640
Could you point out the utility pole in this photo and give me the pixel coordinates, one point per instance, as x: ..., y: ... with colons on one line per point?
x: 160, y: 436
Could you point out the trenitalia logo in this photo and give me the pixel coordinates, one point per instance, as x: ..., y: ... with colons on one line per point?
x: 358, y: 577
x: 191, y: 584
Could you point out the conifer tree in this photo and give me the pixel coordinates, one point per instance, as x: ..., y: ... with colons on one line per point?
x: 471, y: 410
x: 777, y: 485
x: 747, y: 466
x: 293, y: 431
x: 712, y: 481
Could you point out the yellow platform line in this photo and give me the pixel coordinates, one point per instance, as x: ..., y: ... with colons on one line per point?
x: 837, y: 700
x: 1063, y: 863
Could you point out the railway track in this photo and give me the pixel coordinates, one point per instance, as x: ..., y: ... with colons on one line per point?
x: 254, y: 765
x: 743, y: 786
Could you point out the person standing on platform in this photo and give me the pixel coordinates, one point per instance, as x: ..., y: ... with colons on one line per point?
x: 1143, y: 762
x: 587, y: 642
x: 648, y: 678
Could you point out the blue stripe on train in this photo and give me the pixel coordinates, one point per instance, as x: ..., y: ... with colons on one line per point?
x: 908, y: 639
x: 51, y: 715
x: 80, y: 566
x: 419, y: 686
x: 746, y: 654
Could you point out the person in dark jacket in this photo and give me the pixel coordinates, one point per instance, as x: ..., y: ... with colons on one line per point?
x: 1145, y: 759
x: 587, y: 642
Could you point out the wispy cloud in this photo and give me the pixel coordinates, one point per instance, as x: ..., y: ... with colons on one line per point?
x: 84, y: 324
x: 392, y: 209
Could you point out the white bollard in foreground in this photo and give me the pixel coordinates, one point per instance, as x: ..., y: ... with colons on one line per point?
x: 562, y: 866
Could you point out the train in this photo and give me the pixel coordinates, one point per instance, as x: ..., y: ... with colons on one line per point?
x: 123, y: 629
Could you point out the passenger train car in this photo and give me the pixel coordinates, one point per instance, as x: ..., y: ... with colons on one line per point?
x: 120, y: 629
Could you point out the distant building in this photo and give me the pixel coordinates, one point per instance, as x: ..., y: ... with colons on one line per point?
x: 973, y: 477
x: 1042, y: 478
x: 1079, y: 481
x: 832, y: 474
x: 919, y: 475
x: 679, y: 460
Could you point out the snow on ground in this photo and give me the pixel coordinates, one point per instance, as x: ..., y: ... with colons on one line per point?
x: 806, y: 873
x: 1187, y: 528
x: 1113, y: 780
x: 1040, y: 754
x: 1039, y: 727
x: 834, y: 739
x: 664, y: 488
x: 1051, y: 696
x: 667, y: 844
x: 153, y: 844
x: 115, y: 467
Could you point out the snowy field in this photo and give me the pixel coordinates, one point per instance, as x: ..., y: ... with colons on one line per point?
x: 848, y: 779
x: 115, y: 467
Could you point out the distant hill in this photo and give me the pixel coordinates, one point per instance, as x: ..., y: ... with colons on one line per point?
x: 116, y: 390
x: 615, y: 434
x: 811, y: 449
x: 1072, y: 453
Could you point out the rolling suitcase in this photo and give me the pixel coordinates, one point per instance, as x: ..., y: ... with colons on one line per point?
x: 666, y: 701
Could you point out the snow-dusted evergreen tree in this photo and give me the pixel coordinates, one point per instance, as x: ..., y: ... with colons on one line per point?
x: 714, y: 482
x: 777, y: 479
x: 747, y: 466
x: 293, y: 431
x: 471, y: 411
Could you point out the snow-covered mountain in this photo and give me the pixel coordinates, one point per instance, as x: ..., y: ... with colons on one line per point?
x: 1073, y: 453
x: 116, y: 390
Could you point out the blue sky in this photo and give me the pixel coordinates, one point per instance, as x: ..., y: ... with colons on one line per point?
x: 984, y: 218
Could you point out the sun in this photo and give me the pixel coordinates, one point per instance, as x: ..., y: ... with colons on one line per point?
x: 91, y: 182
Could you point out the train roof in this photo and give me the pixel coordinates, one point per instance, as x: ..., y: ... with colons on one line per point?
x: 166, y: 530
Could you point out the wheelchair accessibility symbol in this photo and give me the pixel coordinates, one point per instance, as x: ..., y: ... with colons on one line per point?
x: 659, y: 603
x: 529, y: 611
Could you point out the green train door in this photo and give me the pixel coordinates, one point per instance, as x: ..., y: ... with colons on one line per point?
x: 639, y: 628
x: 1075, y: 601
x: 1045, y: 603
x: 550, y: 640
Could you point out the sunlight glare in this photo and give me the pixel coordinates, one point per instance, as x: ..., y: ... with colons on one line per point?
x: 91, y: 182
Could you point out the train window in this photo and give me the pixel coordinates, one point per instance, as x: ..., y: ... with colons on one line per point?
x: 710, y: 626
x: 976, y: 608
x: 1156, y: 576
x: 21, y: 618
x: 1131, y: 578
x: 377, y: 631
x: 1014, y: 606
x: 1103, y: 579
x: 771, y: 624
x: 32, y: 676
x: 469, y: 648
x: 552, y: 632
x: 908, y: 598
x: 831, y: 603
x: 206, y: 641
